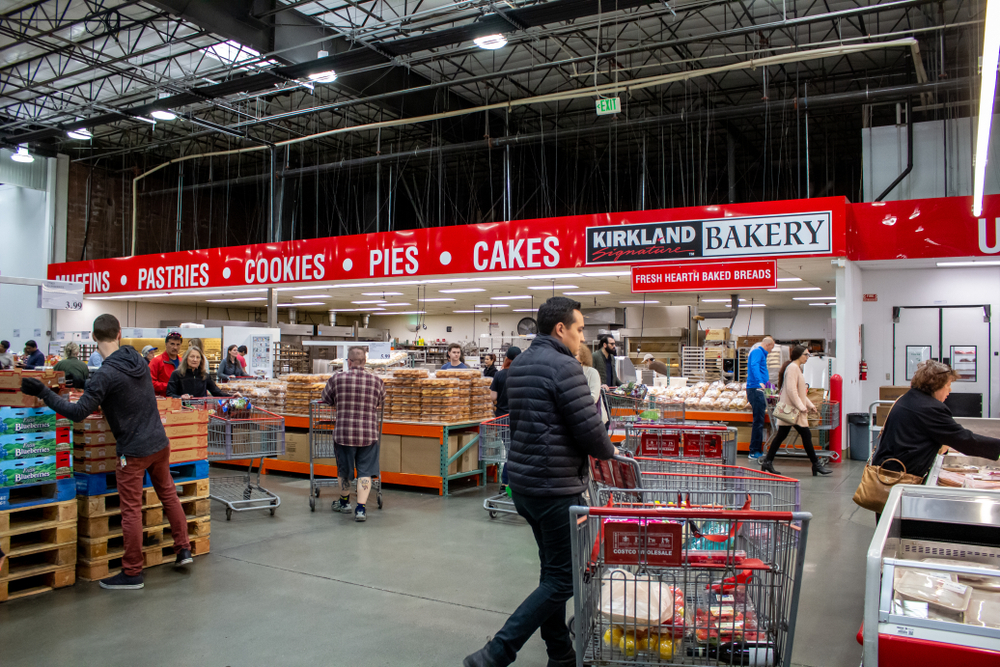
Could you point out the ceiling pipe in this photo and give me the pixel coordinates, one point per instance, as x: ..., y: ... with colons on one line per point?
x: 817, y: 101
x: 909, y: 153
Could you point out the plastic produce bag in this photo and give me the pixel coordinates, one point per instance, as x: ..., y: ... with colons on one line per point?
x: 638, y: 602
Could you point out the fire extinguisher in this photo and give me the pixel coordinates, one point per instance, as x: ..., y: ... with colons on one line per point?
x: 864, y: 369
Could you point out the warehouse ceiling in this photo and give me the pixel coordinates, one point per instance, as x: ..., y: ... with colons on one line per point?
x: 238, y: 72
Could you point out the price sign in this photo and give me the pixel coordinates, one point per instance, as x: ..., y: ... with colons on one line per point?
x: 379, y: 351
x: 55, y: 296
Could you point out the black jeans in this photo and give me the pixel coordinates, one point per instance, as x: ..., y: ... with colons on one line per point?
x: 759, y: 405
x: 783, y: 431
x: 545, y: 608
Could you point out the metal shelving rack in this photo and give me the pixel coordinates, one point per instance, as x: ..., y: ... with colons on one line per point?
x: 290, y: 358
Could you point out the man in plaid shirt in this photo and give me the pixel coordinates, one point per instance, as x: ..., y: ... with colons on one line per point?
x: 357, y: 395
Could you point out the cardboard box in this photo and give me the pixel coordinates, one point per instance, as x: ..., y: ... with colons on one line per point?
x: 389, y: 453
x: 26, y: 420
x: 15, y: 399
x: 178, y: 417
x: 296, y: 447
x: 164, y: 403
x: 748, y: 341
x: 470, y: 459
x: 881, y: 412
x: 95, y: 452
x: 193, y: 442
x: 92, y: 424
x: 891, y: 392
x: 187, y: 430
x: 95, y: 438
x: 27, y: 446
x: 420, y: 456
x: 185, y: 455
x: 22, y: 472
x: 717, y: 334
x: 93, y: 466
x: 11, y: 379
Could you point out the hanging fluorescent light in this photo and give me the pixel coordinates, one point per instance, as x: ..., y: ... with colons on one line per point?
x: 719, y: 300
x: 639, y: 302
x: 491, y: 42
x: 813, y: 298
x: 362, y: 303
x: 552, y: 287
x: 163, y: 114
x: 466, y: 311
x: 461, y: 291
x: 492, y: 305
x: 789, y: 280
x: 586, y: 293
x: 296, y: 305
x: 524, y: 310
x: 441, y: 299
x: 81, y: 133
x: 988, y: 263
x: 991, y: 52
x: 382, y: 294
x: 796, y: 289
x: 22, y: 154
x: 393, y: 305
x: 511, y: 298
x: 823, y: 304
x: 328, y: 76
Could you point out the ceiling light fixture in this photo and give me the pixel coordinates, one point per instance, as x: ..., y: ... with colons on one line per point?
x: 22, y: 154
x: 813, y: 298
x: 382, y: 294
x: 403, y: 312
x: 81, y: 133
x: 329, y: 76
x: 464, y: 290
x: 610, y: 273
x: 991, y: 53
x: 163, y: 114
x: 639, y: 302
x: 590, y: 293
x: 436, y: 299
x: 796, y: 289
x: 362, y: 303
x: 524, y: 310
x: 395, y: 305
x: 555, y: 276
x: 312, y: 296
x: 492, y: 305
x: 248, y: 298
x: 719, y: 300
x: 789, y: 280
x: 987, y: 263
x: 466, y: 311
x: 551, y: 287
x: 491, y: 42
x: 511, y: 298
x: 823, y: 304
x: 296, y: 305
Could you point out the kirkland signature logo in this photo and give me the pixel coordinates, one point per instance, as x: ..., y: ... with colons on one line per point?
x: 753, y: 236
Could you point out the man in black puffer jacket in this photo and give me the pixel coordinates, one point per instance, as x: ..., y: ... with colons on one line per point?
x: 123, y: 389
x: 554, y: 427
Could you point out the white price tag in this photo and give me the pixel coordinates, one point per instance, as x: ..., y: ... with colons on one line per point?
x: 56, y: 297
x: 379, y: 351
x: 955, y: 587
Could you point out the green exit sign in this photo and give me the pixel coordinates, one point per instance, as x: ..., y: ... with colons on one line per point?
x: 609, y: 105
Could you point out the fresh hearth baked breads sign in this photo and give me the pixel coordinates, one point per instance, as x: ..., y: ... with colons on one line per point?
x: 814, y: 227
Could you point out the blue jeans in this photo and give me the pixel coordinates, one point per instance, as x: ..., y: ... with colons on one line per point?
x: 545, y: 608
x: 759, y: 405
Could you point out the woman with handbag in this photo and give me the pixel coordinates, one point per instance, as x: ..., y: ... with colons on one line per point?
x: 917, y: 425
x: 791, y: 410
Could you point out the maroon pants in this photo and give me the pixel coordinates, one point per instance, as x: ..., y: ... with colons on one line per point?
x: 130, y: 478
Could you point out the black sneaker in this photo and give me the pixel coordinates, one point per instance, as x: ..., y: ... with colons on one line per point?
x: 183, y: 558
x: 359, y: 513
x: 122, y: 582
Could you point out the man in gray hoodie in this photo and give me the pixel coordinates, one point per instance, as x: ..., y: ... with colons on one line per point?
x: 122, y: 388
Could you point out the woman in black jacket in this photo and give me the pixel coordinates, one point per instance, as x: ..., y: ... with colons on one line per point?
x: 191, y: 379
x: 489, y: 365
x: 230, y: 366
x: 919, y: 423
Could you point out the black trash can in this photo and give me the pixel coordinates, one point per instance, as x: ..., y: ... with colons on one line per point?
x: 857, y: 434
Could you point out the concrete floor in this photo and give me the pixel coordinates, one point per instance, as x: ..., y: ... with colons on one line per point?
x: 423, y: 582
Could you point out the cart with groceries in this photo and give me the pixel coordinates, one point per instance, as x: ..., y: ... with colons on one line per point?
x: 632, y: 404
x: 239, y: 430
x: 322, y: 421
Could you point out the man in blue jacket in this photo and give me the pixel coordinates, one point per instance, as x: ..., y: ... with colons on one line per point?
x: 554, y: 427
x: 757, y: 377
x: 35, y: 358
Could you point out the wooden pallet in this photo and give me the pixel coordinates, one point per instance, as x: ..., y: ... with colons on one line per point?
x: 42, y: 581
x: 159, y: 554
x: 111, y: 524
x: 110, y: 503
x: 35, y: 540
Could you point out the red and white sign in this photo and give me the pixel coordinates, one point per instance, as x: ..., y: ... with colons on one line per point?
x: 705, y: 276
x: 811, y: 227
x: 870, y: 297
x: 924, y: 229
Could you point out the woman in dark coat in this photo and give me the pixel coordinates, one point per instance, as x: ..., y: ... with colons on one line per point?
x: 489, y: 365
x: 231, y: 366
x: 191, y: 379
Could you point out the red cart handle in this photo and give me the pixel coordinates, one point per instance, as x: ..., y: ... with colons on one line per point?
x: 742, y: 515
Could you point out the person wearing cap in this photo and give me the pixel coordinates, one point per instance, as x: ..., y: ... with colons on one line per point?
x: 163, y: 366
x: 656, y: 366
x: 76, y: 371
x: 148, y: 353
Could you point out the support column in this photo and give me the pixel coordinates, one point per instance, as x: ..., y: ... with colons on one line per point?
x: 272, y: 308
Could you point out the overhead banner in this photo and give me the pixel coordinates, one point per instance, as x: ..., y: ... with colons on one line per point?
x: 705, y: 276
x: 746, y: 236
x: 778, y: 229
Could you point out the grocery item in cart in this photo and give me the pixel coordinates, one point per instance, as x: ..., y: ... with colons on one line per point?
x: 938, y: 589
x: 640, y: 601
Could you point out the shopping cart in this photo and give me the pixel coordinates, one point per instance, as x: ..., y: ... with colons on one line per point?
x: 675, y: 482
x: 494, y: 443
x: 643, y: 594
x: 825, y: 419
x: 239, y: 430
x: 322, y: 420
x: 623, y: 410
x: 693, y: 441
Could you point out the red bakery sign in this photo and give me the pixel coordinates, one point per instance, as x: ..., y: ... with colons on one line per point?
x: 705, y: 276
x: 794, y: 228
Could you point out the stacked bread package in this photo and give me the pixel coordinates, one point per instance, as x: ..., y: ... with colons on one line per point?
x: 444, y: 399
x: 301, y: 390
x: 402, y: 395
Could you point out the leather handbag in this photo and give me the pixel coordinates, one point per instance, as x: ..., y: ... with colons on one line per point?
x: 877, y: 482
x: 786, y: 413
